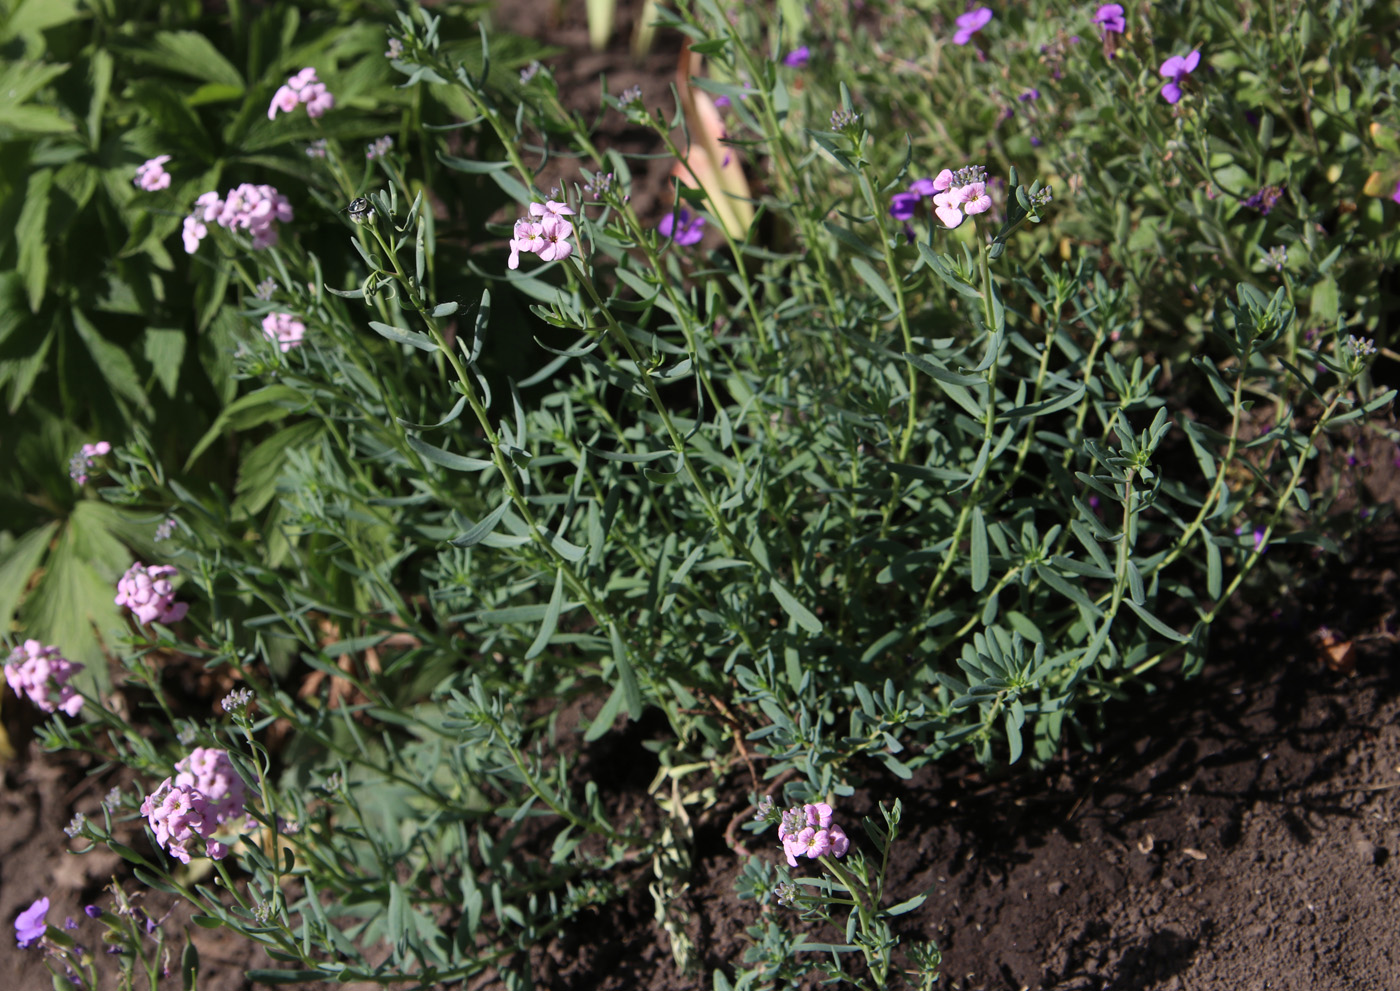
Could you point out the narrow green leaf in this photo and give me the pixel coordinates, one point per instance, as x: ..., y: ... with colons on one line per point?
x: 877, y: 285
x: 1156, y: 623
x: 400, y: 336
x: 551, y: 618
x: 627, y: 677
x: 981, y: 562
x: 800, y: 613
x: 445, y: 458
x: 479, y: 531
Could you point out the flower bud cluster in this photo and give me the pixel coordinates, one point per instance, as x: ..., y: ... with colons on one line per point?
x: 81, y: 463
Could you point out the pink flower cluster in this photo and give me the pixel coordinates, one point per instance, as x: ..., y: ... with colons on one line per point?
x: 255, y: 209
x: 205, y: 793
x: 41, y: 672
x: 305, y: 88
x: 547, y: 236
x: 809, y: 832
x: 959, y: 193
x: 284, y: 329
x: 81, y: 463
x: 148, y: 594
x: 151, y: 174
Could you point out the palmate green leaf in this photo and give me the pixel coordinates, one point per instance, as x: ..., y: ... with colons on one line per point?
x: 116, y: 366
x: 31, y: 236
x: 187, y: 53
x: 18, y: 564
x: 271, y: 402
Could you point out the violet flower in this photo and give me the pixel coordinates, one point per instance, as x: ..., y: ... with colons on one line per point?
x: 1110, y: 19
x: 30, y: 925
x: 797, y: 58
x: 1174, y: 70
x: 682, y: 225
x: 970, y: 23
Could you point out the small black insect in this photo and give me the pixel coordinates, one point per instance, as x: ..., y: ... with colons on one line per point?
x: 359, y: 209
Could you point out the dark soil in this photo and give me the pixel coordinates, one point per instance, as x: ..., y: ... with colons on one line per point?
x: 1236, y: 831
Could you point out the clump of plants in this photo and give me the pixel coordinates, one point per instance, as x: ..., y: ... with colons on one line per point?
x: 857, y: 457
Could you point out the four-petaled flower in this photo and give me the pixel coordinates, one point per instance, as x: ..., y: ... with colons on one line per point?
x: 960, y: 193
x: 970, y: 23
x: 30, y: 924
x: 807, y: 831
x: 685, y: 227
x: 1174, y: 70
x: 545, y: 232
x: 151, y: 174
x: 1110, y: 19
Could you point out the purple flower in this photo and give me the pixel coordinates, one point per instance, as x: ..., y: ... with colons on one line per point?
x: 1396, y: 195
x: 1110, y: 18
x: 685, y: 227
x: 1174, y: 70
x: 30, y: 924
x: 151, y: 174
x: 92, y: 912
x: 902, y: 205
x: 1029, y: 95
x: 797, y: 58
x: 40, y: 672
x: 283, y: 329
x: 1265, y: 199
x: 147, y: 592
x: 970, y: 23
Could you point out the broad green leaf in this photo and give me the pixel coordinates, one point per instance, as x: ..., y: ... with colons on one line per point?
x: 164, y: 348
x: 18, y: 565
x: 188, y: 53
x: 116, y: 366
x: 271, y: 402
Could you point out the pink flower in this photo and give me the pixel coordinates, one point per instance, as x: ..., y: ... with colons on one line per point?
x: 527, y: 238
x: 550, y: 207
x: 284, y: 330
x: 1175, y: 69
x: 961, y: 192
x: 305, y: 88
x: 147, y: 593
x: 555, y: 232
x: 40, y: 672
x: 807, y: 831
x: 205, y: 793
x: 151, y: 174
x: 970, y: 23
x: 974, y: 198
x: 210, y: 205
x: 193, y: 233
